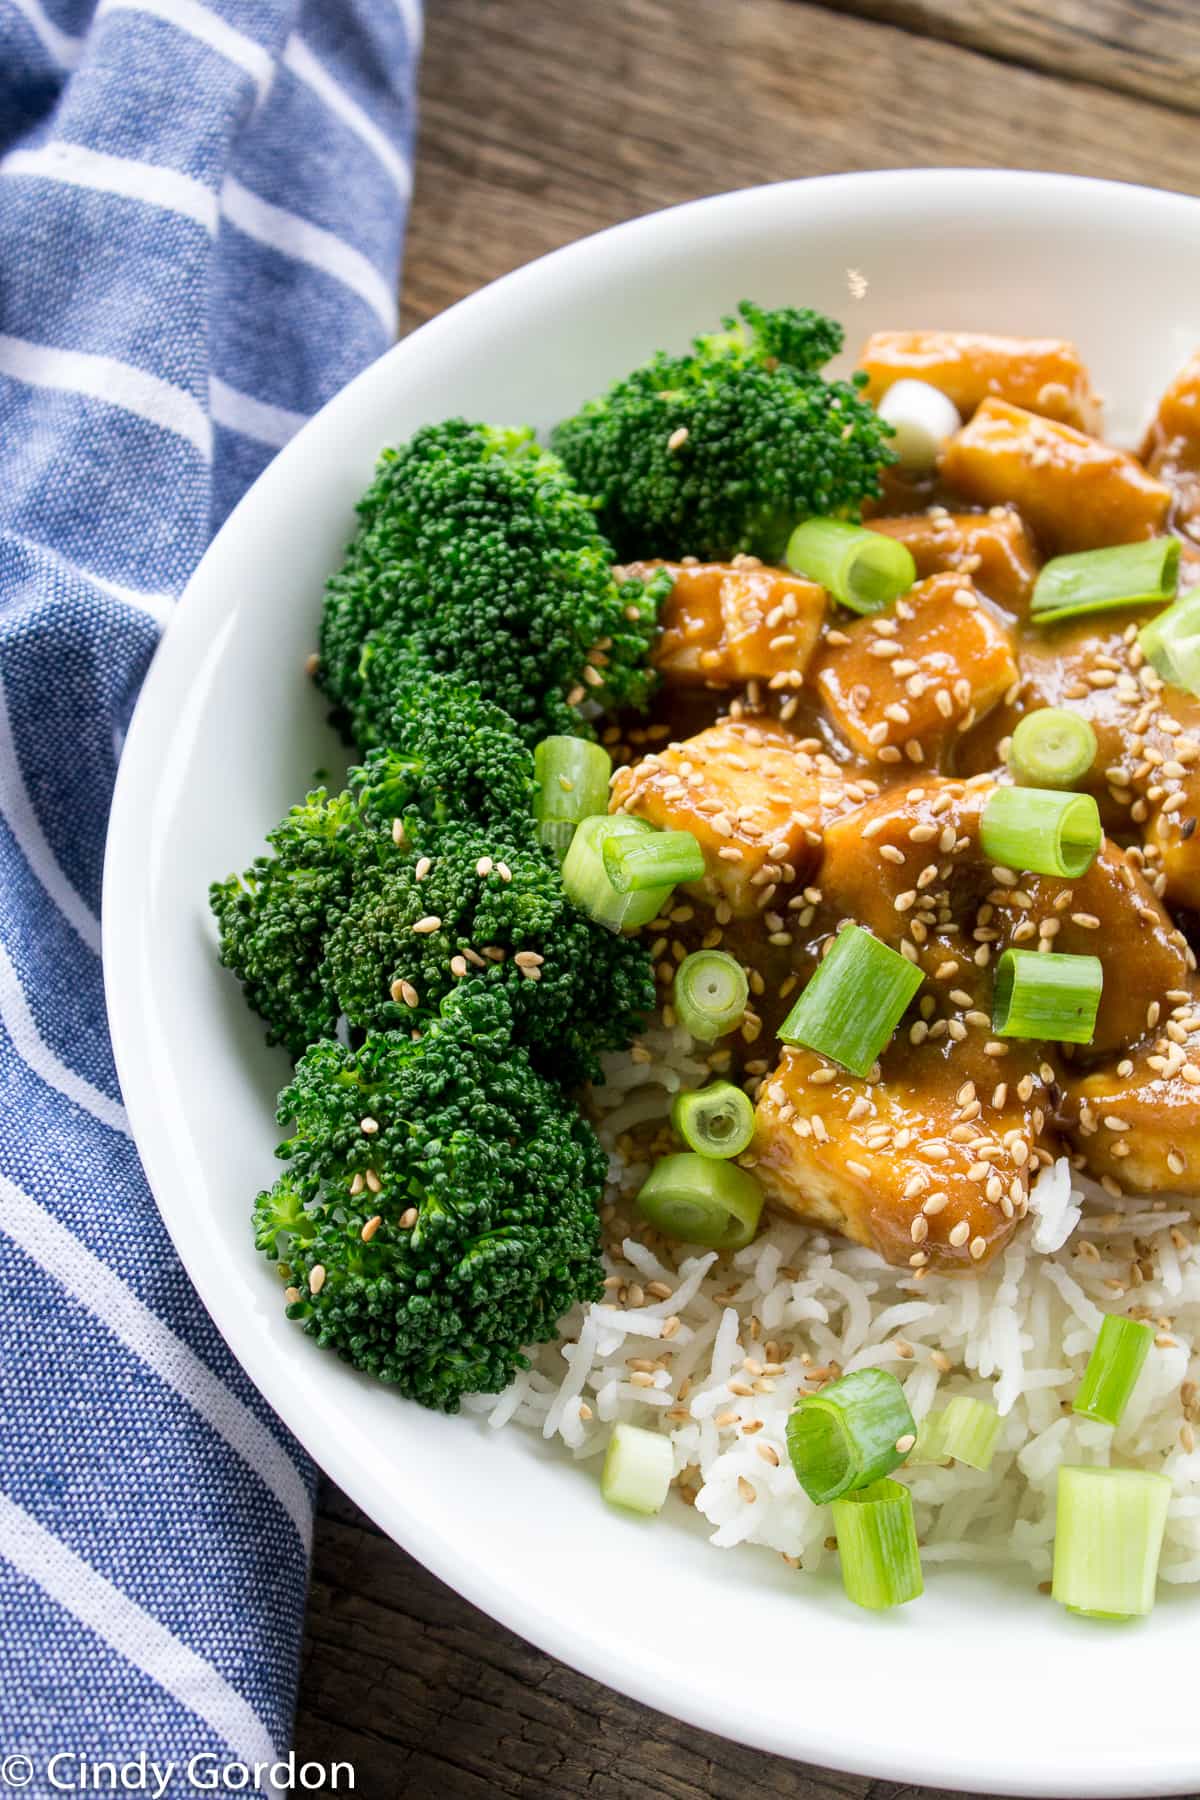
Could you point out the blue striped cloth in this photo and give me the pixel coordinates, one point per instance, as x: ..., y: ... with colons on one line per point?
x: 201, y: 210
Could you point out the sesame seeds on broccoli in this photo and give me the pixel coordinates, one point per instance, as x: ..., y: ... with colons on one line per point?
x: 425, y: 874
x: 439, y: 1209
x: 724, y: 449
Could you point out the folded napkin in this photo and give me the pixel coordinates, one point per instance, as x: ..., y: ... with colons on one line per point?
x: 201, y: 208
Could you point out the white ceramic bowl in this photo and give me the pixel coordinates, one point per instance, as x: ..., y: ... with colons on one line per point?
x: 982, y: 1685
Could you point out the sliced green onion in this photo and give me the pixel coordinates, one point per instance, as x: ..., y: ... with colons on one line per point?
x: 1171, y: 642
x: 661, y: 859
x: 585, y: 878
x: 877, y: 1544
x: 1047, y: 996
x: 571, y: 778
x: 855, y: 1430
x: 1108, y: 1535
x: 929, y: 1447
x: 710, y: 994
x: 1113, y: 1368
x: 854, y: 1002
x: 1041, y: 830
x: 1051, y: 748
x: 1096, y: 580
x: 714, y: 1121
x: 968, y: 1431
x: 864, y: 570
x: 1182, y: 664
x: 702, y: 1201
x: 638, y: 1466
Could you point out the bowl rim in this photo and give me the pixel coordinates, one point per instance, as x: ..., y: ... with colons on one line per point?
x: 918, y: 1759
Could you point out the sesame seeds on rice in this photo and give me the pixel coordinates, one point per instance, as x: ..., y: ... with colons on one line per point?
x: 713, y: 1350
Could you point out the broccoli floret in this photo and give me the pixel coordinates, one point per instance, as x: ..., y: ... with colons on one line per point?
x: 723, y: 450
x: 450, y: 755
x: 475, y: 555
x: 273, y: 920
x: 439, y: 827
x: 439, y: 1211
x: 484, y: 908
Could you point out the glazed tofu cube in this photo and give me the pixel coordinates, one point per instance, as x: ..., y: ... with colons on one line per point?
x: 1076, y: 493
x: 1141, y: 1127
x: 885, y: 1162
x: 1178, y: 414
x: 753, y: 798
x: 903, y: 684
x: 1046, y: 375
x: 993, y: 548
x: 728, y: 623
x: 1172, y: 448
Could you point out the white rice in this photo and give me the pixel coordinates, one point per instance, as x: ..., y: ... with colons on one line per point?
x: 1018, y: 1335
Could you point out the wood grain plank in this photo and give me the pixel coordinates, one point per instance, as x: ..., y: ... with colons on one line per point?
x: 1148, y: 48
x: 542, y: 121
x: 550, y: 119
x: 425, y: 1696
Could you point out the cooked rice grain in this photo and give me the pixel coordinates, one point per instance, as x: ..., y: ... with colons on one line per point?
x: 1017, y: 1335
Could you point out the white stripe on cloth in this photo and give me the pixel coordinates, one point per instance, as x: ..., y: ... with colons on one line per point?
x: 65, y: 50
x: 410, y: 12
x: 35, y: 1052
x: 267, y: 424
x: 160, y: 607
x: 198, y: 22
x: 77, y: 166
x: 131, y: 1631
x: 306, y: 68
x: 94, y: 1285
x: 293, y: 236
x: 117, y: 383
x: 18, y: 811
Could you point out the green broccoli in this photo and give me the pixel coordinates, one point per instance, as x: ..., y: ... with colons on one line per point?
x: 440, y: 827
x: 450, y: 755
x: 485, y: 907
x: 475, y: 555
x: 725, y: 449
x: 273, y: 920
x: 439, y: 1210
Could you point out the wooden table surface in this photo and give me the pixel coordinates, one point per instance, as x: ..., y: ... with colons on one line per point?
x: 543, y: 120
